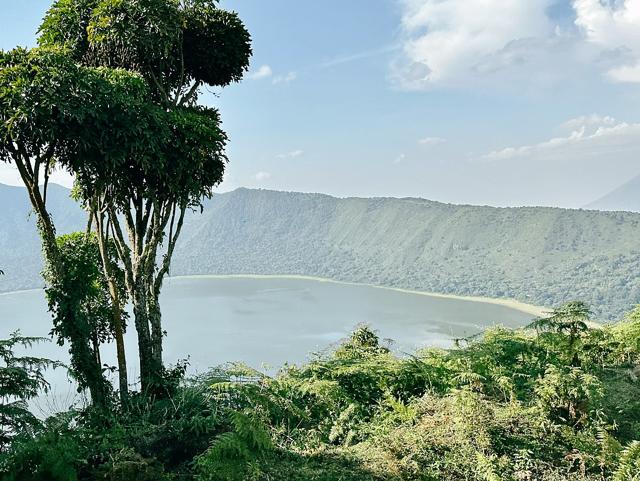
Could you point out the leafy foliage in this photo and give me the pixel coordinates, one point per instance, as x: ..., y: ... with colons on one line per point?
x: 85, y: 288
x: 629, y: 468
x: 171, y: 43
x: 21, y: 379
x: 509, y: 405
x: 175, y: 47
x: 50, y: 106
x: 82, y: 309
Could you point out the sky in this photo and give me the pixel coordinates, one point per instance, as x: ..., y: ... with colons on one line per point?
x: 489, y: 102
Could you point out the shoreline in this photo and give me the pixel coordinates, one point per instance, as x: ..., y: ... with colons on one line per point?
x: 531, y: 309
x: 534, y: 310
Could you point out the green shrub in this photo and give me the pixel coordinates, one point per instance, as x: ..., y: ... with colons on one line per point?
x: 508, y: 405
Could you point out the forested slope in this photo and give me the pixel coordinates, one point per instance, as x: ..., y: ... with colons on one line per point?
x: 538, y: 255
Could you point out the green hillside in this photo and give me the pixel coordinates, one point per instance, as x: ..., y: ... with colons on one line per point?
x: 544, y: 256
x: 538, y: 255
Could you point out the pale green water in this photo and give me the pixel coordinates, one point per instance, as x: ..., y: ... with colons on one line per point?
x: 275, y: 320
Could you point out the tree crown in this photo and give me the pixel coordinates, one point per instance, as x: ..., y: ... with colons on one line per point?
x: 172, y: 43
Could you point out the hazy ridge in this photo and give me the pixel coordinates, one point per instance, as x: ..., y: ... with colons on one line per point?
x: 626, y: 197
x: 542, y: 256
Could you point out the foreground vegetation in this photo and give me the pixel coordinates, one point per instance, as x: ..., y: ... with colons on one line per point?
x: 557, y: 401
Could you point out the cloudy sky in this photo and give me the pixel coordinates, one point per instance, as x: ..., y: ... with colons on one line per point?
x: 499, y: 102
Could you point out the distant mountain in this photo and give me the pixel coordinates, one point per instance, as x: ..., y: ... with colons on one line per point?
x: 538, y: 255
x: 624, y: 198
x: 20, y: 248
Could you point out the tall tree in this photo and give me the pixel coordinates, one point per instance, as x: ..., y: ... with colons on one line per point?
x: 55, y: 112
x: 177, y: 46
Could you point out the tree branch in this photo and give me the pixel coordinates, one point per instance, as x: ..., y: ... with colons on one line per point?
x: 166, y: 262
x: 190, y: 94
x: 161, y: 89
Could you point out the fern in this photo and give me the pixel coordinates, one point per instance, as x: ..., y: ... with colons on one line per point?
x: 250, y: 436
x: 485, y: 469
x: 629, y: 464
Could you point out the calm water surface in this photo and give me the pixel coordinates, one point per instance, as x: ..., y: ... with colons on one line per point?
x: 270, y: 321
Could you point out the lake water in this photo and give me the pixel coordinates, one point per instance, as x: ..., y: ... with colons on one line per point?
x: 270, y: 321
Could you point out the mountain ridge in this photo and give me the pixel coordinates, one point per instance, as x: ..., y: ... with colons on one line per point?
x: 626, y: 197
x: 537, y: 255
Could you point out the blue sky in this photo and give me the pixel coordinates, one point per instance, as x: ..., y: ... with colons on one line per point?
x: 500, y: 102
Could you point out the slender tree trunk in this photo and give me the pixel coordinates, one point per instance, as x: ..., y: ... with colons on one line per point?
x: 150, y: 370
x: 118, y: 329
x: 145, y: 226
x: 118, y: 334
x: 155, y: 278
x: 96, y: 348
x: 131, y: 254
x: 155, y: 320
x: 84, y: 358
x: 90, y: 371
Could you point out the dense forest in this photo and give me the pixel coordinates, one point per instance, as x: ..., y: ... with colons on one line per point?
x: 537, y: 255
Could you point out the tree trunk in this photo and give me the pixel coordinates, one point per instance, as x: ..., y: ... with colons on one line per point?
x: 118, y: 329
x: 118, y: 334
x: 145, y: 226
x: 84, y: 359
x: 155, y: 320
x: 150, y: 369
x: 96, y: 348
x: 89, y: 370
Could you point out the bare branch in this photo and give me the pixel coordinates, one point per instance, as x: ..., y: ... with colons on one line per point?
x: 161, y: 89
x: 190, y: 94
x: 166, y: 262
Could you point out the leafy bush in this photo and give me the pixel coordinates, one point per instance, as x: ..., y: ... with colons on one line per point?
x: 556, y: 404
x: 21, y: 379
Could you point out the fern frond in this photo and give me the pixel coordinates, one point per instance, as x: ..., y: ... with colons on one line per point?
x: 629, y: 465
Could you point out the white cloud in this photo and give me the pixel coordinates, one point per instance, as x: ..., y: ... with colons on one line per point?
x: 399, y: 158
x: 613, y: 26
x: 464, y: 42
x: 446, y: 40
x: 628, y: 74
x: 262, y: 176
x: 593, y: 136
x: 263, y: 72
x: 590, y: 156
x: 587, y: 121
x: 285, y: 79
x: 431, y: 141
x: 290, y: 155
